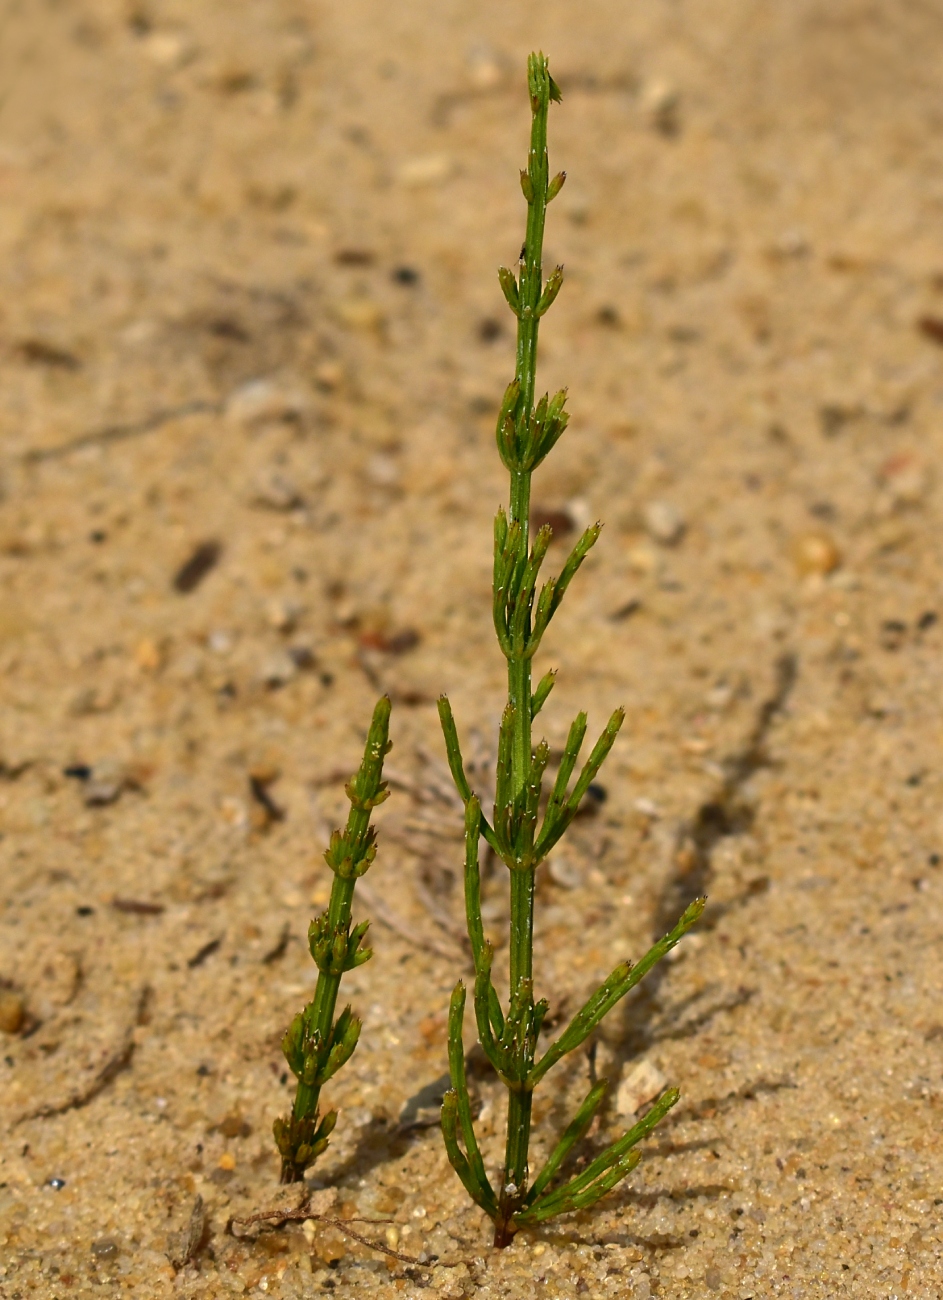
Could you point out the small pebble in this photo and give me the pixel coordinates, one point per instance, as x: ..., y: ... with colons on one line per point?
x: 719, y: 697
x: 302, y: 656
x: 816, y: 553
x: 329, y: 375
x: 99, y: 794
x: 485, y: 68
x: 263, y: 402
x: 282, y: 615
x: 643, y: 559
x: 56, y: 1184
x: 689, y: 945
x: 596, y: 796
x: 148, y: 655
x: 383, y: 471
x: 278, y: 670
x: 392, y: 643
x: 643, y: 1083
x: 664, y: 522
x: 106, y: 783
x: 167, y: 48
x: 12, y: 1012
x: 227, y: 1161
x: 559, y: 520
x: 233, y: 1126
x: 905, y: 478
x: 201, y: 561
x: 931, y: 327
x: 275, y: 491
x: 429, y: 169
x: 661, y: 104
x: 353, y: 256
x: 564, y: 872
x: 105, y: 1248
x: 359, y: 313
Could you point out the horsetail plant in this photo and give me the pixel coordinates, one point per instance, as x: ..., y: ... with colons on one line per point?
x: 526, y: 432
x: 316, y: 1045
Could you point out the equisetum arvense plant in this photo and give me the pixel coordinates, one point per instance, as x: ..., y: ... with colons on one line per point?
x: 316, y: 1045
x: 527, y: 430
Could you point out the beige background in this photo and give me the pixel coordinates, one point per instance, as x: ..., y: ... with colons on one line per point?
x: 206, y: 334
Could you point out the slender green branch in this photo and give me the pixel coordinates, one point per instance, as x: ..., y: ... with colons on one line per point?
x: 574, y: 1131
x: 542, y: 691
x: 457, y: 766
x: 613, y: 990
x: 475, y: 1176
x: 596, y: 1179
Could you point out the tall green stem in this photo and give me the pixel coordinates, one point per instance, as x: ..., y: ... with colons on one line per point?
x: 527, y: 430
x: 530, y: 285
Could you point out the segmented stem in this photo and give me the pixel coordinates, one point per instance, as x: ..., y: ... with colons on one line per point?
x: 316, y: 1044
x: 527, y: 430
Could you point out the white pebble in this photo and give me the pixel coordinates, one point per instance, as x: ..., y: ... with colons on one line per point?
x: 644, y: 1082
x: 383, y: 471
x: 275, y: 491
x: 282, y: 615
x: 279, y: 669
x: 261, y: 401
x: 429, y: 169
x: 664, y: 522
x: 564, y: 872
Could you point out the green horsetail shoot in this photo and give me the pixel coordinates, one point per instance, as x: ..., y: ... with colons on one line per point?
x: 316, y: 1045
x: 527, y: 430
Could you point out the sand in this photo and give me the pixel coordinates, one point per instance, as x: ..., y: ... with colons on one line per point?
x: 251, y: 348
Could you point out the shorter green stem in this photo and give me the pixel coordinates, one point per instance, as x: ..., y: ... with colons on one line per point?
x: 316, y: 1045
x: 307, y: 1096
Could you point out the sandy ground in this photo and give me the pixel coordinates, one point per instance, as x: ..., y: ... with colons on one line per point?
x: 249, y: 310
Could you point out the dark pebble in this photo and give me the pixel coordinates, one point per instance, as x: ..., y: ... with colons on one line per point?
x: 405, y: 275
x: 893, y: 632
x: 39, y: 352
x: 396, y: 643
x: 105, y: 1248
x: 559, y: 521
x: 137, y: 906
x: 302, y: 656
x: 190, y: 574
x: 56, y: 1184
x: 931, y: 327
x: 354, y: 256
